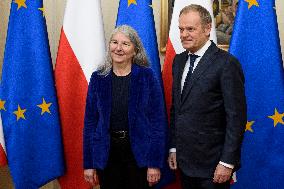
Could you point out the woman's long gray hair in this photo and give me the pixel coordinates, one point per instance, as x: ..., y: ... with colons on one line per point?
x: 139, y: 58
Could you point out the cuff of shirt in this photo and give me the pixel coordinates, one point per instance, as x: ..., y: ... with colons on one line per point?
x: 173, y: 150
x: 227, y: 165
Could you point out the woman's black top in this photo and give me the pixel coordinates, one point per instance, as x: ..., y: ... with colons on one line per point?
x: 119, y: 106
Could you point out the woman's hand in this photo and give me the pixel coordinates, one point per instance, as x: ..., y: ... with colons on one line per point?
x: 153, y: 176
x: 91, y: 176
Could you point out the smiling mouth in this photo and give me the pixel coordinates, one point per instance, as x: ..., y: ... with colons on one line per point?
x: 118, y: 54
x: 186, y: 41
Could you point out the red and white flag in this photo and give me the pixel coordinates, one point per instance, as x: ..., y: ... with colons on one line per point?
x: 3, y: 158
x: 174, y: 44
x: 81, y: 50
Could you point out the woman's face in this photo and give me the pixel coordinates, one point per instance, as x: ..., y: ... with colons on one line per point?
x: 121, y: 49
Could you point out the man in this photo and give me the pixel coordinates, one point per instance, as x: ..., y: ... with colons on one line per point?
x: 208, y: 113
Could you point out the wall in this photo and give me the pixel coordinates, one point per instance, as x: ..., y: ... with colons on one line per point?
x: 54, y: 16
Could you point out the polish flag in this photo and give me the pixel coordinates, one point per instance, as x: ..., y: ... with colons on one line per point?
x: 81, y: 49
x: 174, y: 44
x: 3, y: 158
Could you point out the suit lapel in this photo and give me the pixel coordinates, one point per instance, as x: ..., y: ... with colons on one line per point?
x: 180, y: 72
x: 203, y: 64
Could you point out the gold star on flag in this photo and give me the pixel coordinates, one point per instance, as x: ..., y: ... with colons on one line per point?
x: 44, y: 107
x: 277, y: 118
x: 132, y: 2
x: 251, y: 3
x: 2, y: 105
x: 249, y: 125
x: 42, y: 10
x: 20, y: 113
x: 20, y: 3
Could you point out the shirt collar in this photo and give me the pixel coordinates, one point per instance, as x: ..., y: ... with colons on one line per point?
x: 203, y: 49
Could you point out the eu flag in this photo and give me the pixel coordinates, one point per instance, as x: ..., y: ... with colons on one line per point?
x: 139, y: 15
x: 255, y: 42
x: 30, y: 113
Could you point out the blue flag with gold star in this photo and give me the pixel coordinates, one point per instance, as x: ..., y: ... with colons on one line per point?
x: 30, y: 112
x: 139, y: 15
x: 255, y: 42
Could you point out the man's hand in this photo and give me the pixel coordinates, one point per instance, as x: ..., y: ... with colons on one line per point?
x: 91, y: 176
x: 172, y: 160
x: 222, y: 174
x: 153, y: 176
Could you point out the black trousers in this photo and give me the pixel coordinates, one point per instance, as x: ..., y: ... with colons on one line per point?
x: 122, y: 171
x: 201, y: 183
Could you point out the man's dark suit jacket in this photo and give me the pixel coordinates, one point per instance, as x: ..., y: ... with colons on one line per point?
x: 208, y: 123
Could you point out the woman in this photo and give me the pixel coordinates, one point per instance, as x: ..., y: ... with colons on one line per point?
x: 125, y: 123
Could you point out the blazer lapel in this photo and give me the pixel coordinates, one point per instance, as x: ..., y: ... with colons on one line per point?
x: 179, y: 75
x: 134, y: 92
x: 203, y: 64
x: 105, y: 90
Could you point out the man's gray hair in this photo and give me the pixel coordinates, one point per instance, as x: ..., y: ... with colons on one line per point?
x: 203, y: 12
x: 139, y: 58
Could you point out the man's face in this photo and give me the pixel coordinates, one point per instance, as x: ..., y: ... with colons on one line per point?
x: 193, y: 34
